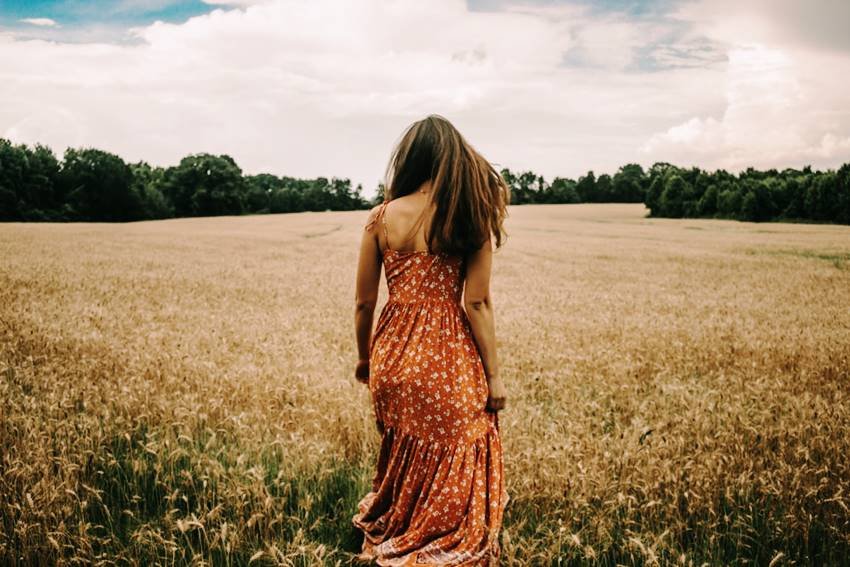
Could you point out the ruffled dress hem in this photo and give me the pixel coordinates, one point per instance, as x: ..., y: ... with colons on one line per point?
x: 410, y: 467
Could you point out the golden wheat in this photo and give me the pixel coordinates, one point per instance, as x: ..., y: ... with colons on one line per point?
x: 181, y: 391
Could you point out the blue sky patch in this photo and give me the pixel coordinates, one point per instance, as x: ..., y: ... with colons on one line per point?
x: 109, y: 20
x: 86, y: 20
x: 76, y: 12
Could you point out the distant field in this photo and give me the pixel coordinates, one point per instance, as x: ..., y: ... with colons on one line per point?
x: 679, y: 390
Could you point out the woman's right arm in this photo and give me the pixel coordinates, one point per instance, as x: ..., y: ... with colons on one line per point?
x: 479, y: 310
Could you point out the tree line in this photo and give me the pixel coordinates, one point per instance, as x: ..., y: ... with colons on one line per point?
x: 752, y: 195
x: 93, y: 185
x: 671, y: 191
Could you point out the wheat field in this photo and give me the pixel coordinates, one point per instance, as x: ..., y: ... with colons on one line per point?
x: 182, y: 392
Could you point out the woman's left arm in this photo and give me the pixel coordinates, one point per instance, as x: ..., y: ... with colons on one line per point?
x: 366, y: 294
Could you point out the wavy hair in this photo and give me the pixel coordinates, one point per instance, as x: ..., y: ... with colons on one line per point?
x: 468, y: 195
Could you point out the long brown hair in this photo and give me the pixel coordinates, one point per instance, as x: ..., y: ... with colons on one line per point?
x: 470, y: 197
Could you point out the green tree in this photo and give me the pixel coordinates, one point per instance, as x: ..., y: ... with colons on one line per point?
x: 822, y: 197
x: 842, y: 187
x: 345, y: 198
x: 206, y: 185
x: 39, y: 198
x: 707, y: 205
x: 12, y: 172
x: 586, y: 187
x: 629, y: 184
x: 99, y: 186
x: 729, y: 202
x: 653, y: 195
x: 604, y: 189
x: 379, y: 195
x: 258, y: 197
x: 148, y: 183
x: 561, y: 190
x: 671, y: 203
x: 525, y: 187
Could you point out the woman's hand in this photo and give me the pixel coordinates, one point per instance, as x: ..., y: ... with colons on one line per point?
x: 361, y: 373
x: 497, y: 396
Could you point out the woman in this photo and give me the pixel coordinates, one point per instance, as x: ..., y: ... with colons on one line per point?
x: 438, y: 495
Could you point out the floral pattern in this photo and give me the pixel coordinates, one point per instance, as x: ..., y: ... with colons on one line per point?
x: 438, y: 495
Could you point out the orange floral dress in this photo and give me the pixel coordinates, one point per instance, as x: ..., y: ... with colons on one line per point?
x: 438, y: 495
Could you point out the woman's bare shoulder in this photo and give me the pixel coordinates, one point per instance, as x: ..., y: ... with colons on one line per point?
x: 374, y: 215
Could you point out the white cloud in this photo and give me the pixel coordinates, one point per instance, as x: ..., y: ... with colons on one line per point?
x: 326, y: 87
x: 820, y: 24
x: 46, y: 22
x: 785, y: 94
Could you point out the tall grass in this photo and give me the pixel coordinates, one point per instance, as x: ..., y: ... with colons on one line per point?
x: 180, y: 392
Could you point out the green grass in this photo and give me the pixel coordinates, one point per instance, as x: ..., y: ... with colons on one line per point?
x: 135, y: 491
x: 840, y: 260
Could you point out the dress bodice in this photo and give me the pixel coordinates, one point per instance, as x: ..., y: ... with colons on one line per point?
x: 420, y: 275
x: 414, y: 276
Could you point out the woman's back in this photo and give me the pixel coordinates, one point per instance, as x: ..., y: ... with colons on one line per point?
x: 405, y: 221
x: 419, y: 276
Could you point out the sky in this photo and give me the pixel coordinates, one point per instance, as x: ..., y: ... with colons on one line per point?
x: 310, y: 88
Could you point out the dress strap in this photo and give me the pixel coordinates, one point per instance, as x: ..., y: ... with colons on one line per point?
x: 374, y: 219
x: 380, y: 216
x: 384, y: 223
